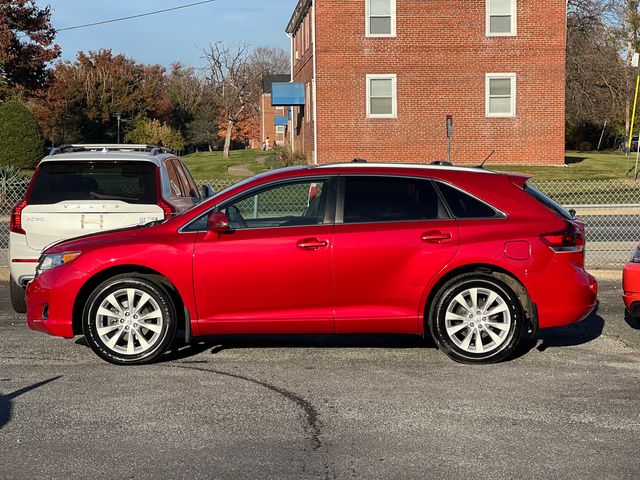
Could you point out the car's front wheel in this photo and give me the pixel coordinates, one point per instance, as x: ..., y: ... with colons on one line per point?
x: 129, y: 320
x: 477, y: 318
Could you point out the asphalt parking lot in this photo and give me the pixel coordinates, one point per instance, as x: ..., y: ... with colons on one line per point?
x: 343, y: 407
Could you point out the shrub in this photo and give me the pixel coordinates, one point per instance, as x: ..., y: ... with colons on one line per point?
x: 585, y: 147
x: 289, y: 158
x: 21, y: 140
x: 273, y: 161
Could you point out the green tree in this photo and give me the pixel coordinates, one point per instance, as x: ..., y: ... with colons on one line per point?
x: 152, y: 131
x: 21, y: 140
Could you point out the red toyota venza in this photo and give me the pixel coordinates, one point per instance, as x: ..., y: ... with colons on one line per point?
x: 474, y: 257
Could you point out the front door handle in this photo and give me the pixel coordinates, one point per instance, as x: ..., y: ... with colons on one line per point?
x: 312, y: 244
x: 435, y: 236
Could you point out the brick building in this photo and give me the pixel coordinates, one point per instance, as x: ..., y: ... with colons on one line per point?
x: 382, y: 75
x: 268, y: 113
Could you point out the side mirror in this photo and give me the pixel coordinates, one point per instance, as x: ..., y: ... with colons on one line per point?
x: 218, y: 222
x: 206, y: 191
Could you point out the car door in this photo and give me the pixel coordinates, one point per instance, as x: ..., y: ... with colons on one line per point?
x: 271, y: 272
x: 392, y: 236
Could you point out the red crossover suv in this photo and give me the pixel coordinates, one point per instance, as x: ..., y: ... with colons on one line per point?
x: 631, y: 284
x: 472, y: 256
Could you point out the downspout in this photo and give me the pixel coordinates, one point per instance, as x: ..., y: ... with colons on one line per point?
x: 290, y: 108
x: 313, y: 86
x: 262, y: 119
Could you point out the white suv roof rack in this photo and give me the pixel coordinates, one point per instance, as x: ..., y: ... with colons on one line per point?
x: 110, y: 147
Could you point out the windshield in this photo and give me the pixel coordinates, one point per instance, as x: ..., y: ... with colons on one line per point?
x: 130, y: 182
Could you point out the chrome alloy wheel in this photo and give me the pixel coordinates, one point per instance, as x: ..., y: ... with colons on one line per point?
x: 129, y: 321
x: 478, y: 320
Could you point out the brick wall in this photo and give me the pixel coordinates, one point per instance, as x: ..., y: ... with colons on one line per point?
x: 440, y: 55
x: 267, y: 119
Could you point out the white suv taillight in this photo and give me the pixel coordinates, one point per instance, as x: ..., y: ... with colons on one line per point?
x: 15, y: 221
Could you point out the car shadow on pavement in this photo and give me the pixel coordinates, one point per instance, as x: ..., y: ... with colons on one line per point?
x: 571, y: 335
x: 6, y: 401
x: 231, y: 342
x: 631, y: 321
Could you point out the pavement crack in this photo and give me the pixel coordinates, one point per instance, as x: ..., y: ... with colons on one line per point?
x: 313, y: 425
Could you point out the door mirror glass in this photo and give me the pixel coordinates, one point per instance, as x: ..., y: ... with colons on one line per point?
x: 218, y: 222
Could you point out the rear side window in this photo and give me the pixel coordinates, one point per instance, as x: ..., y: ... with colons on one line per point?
x: 547, y: 202
x: 130, y: 182
x: 388, y: 199
x: 463, y: 205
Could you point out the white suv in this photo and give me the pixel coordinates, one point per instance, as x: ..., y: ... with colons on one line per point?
x: 83, y: 189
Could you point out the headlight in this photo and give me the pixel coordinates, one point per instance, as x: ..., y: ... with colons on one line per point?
x: 53, y: 260
x: 635, y: 258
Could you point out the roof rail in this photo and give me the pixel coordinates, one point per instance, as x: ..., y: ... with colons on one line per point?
x: 109, y: 147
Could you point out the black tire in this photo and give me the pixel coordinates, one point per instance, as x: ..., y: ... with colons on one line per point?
x: 18, y: 299
x: 165, y: 335
x: 452, y: 344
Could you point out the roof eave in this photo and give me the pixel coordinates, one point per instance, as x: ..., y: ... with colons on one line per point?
x: 298, y: 14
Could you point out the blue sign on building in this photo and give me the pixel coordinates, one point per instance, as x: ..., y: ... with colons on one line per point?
x: 286, y: 94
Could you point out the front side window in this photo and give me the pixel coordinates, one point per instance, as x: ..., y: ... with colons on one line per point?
x: 381, y: 18
x: 501, y: 17
x: 284, y: 205
x: 501, y: 95
x: 381, y: 96
x: 389, y: 199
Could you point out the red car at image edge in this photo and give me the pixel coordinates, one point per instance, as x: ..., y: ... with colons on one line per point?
x: 473, y: 257
x: 631, y: 284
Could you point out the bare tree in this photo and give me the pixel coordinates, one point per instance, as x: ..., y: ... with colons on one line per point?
x: 234, y: 83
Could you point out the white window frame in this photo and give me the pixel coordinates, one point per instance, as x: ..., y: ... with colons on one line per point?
x: 307, y: 106
x: 367, y: 16
x: 514, y: 20
x: 280, y: 129
x: 394, y: 94
x: 280, y: 109
x: 501, y: 76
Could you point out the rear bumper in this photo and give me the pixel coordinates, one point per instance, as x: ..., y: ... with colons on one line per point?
x: 50, y: 300
x: 564, y: 294
x: 631, y: 288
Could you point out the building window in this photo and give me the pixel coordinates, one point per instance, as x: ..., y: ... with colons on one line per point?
x: 381, y: 18
x: 381, y: 96
x: 501, y: 17
x: 280, y: 110
x: 280, y: 129
x: 501, y: 94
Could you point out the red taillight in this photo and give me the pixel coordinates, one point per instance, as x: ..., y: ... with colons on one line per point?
x: 570, y: 240
x: 167, y: 209
x: 15, y: 221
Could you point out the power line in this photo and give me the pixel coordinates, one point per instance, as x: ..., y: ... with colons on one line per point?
x: 133, y: 16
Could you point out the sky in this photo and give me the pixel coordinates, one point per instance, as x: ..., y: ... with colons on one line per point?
x: 172, y: 36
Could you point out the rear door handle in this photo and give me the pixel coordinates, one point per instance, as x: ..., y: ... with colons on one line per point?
x: 435, y: 236
x: 312, y: 244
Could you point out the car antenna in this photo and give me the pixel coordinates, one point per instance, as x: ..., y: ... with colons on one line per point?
x: 485, y: 160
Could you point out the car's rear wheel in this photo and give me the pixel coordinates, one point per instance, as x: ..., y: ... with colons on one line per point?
x: 17, y: 294
x: 477, y: 318
x: 129, y: 320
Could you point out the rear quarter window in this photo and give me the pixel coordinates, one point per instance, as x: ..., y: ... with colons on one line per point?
x: 463, y: 205
x: 130, y: 182
x: 547, y: 202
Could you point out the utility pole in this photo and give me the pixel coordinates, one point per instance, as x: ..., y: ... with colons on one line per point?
x: 118, y: 116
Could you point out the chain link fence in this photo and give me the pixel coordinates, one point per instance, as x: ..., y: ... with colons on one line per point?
x: 610, y: 209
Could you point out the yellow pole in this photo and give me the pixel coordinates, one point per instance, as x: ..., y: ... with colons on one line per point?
x: 633, y: 115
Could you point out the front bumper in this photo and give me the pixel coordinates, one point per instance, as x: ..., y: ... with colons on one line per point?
x: 50, y: 300
x: 631, y: 288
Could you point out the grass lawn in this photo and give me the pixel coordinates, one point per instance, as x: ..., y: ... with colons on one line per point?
x: 210, y: 165
x: 580, y: 166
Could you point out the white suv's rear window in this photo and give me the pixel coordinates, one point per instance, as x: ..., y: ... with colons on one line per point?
x: 131, y: 182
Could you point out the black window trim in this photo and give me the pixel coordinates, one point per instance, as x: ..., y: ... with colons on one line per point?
x: 329, y: 212
x: 499, y: 214
x: 339, y: 218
